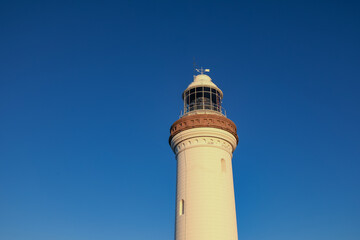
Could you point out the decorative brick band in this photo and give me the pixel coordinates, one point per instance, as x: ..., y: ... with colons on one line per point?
x: 203, y: 120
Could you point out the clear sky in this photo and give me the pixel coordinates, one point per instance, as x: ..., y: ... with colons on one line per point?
x: 88, y: 91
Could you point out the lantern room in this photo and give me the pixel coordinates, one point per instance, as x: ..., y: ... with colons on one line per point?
x: 202, y: 96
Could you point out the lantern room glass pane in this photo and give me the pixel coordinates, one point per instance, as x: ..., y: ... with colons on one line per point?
x: 192, y: 98
x: 207, y: 101
x: 202, y: 98
x: 213, y: 98
x: 207, y: 95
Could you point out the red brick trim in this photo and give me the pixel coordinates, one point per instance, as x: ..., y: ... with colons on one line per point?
x: 203, y: 120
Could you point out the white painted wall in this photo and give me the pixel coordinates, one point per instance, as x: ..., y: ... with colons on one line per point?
x: 207, y: 190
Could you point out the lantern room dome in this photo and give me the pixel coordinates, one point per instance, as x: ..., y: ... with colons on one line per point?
x: 202, y: 77
x: 203, y: 80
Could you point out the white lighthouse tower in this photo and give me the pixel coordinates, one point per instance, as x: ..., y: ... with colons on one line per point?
x: 203, y: 140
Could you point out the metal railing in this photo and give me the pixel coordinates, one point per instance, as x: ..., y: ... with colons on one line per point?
x: 203, y: 107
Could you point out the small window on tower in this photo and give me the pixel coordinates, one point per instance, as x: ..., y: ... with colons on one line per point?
x: 182, y: 207
x: 223, y: 165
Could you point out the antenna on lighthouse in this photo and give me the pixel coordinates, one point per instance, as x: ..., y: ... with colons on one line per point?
x: 202, y: 70
x: 194, y: 67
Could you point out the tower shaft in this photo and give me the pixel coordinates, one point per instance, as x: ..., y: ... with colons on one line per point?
x: 205, y: 203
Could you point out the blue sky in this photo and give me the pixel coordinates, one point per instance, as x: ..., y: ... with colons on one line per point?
x: 88, y: 91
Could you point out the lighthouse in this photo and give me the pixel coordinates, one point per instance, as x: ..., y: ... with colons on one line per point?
x: 203, y: 140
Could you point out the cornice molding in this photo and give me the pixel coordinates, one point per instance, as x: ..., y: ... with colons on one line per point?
x: 203, y: 142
